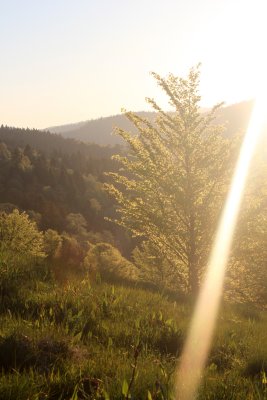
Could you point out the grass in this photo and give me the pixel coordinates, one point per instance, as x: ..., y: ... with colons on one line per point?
x: 110, y: 342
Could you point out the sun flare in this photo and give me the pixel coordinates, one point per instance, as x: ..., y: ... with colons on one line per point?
x: 197, y: 346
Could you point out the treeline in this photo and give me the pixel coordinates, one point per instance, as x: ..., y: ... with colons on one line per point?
x: 50, y: 143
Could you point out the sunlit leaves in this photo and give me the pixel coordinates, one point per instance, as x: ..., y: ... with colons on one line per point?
x: 172, y: 183
x: 20, y: 240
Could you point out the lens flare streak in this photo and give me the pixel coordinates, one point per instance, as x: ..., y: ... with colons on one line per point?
x: 197, y: 346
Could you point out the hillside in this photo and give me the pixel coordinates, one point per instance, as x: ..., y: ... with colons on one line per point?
x: 81, y: 319
x: 55, y: 179
x: 106, y: 341
x: 235, y: 118
x: 100, y: 130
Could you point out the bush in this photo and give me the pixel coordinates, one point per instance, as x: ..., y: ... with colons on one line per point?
x: 20, y: 240
x: 106, y: 260
x: 21, y: 246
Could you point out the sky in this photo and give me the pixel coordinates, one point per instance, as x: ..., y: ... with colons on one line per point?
x: 64, y: 61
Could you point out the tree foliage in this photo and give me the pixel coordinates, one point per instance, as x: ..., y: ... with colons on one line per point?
x: 171, y: 187
x: 52, y: 244
x: 20, y: 240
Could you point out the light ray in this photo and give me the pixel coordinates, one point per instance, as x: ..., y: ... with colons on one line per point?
x: 197, y: 346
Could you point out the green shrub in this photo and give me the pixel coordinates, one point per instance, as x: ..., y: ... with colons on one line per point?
x: 20, y: 240
x: 106, y: 260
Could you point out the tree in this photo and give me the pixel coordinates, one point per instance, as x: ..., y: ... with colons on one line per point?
x: 76, y: 224
x: 20, y: 240
x: 52, y: 244
x: 172, y: 184
x: 71, y: 252
x: 154, y: 268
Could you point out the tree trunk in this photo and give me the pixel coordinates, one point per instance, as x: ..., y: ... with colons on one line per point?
x: 193, y: 277
x: 193, y: 280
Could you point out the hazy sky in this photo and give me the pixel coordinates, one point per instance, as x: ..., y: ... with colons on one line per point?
x: 71, y: 60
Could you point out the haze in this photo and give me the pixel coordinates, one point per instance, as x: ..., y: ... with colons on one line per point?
x: 65, y: 61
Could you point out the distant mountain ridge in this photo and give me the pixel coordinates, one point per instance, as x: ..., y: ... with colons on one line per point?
x: 235, y: 117
x: 99, y: 131
x: 66, y: 127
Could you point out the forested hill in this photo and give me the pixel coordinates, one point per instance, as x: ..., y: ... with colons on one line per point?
x: 49, y: 142
x: 235, y: 118
x: 57, y: 181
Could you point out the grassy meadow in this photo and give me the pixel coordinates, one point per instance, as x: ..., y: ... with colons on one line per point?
x: 104, y: 341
